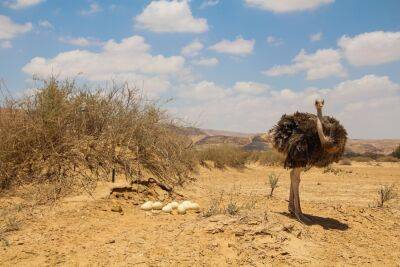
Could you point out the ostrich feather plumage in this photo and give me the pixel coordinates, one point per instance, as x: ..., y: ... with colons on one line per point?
x: 296, y: 136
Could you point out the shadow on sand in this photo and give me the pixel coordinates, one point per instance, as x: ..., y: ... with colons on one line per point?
x: 326, y: 222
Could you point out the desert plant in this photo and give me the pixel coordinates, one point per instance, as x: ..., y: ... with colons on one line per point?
x: 230, y: 203
x: 273, y: 179
x: 345, y: 161
x: 335, y: 171
x: 362, y: 159
x: 385, y: 194
x: 223, y: 156
x: 268, y: 158
x: 215, y: 206
x: 387, y: 159
x: 71, y: 136
x: 396, y: 152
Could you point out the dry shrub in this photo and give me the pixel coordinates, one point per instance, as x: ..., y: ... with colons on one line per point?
x: 235, y: 157
x: 223, y: 156
x: 385, y: 194
x: 345, y: 161
x: 362, y: 159
x: 335, y: 171
x: 387, y: 159
x: 396, y: 152
x: 67, y: 135
x: 267, y: 158
x: 230, y: 203
x: 273, y: 180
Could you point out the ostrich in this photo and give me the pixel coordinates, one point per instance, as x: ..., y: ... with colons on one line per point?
x: 307, y: 140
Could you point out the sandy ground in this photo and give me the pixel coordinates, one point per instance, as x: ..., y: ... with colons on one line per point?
x: 347, y: 229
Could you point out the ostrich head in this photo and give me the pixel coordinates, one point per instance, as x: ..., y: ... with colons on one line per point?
x: 319, y: 103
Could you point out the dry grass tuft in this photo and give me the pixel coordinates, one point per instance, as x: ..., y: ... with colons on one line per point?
x: 230, y: 203
x: 385, y: 194
x: 273, y: 180
x: 69, y: 136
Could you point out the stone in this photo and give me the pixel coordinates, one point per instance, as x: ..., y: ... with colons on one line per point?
x: 116, y: 208
x: 214, y: 229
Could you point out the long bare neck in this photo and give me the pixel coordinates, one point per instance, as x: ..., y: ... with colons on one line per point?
x: 320, y: 129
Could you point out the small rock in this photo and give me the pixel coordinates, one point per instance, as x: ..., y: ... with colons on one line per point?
x: 288, y: 228
x: 239, y: 232
x: 116, y: 208
x: 215, y: 229
x: 262, y: 231
x: 111, y: 241
x: 253, y: 223
x: 231, y: 245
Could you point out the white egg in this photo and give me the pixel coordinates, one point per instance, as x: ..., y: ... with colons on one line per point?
x: 157, y: 205
x: 148, y: 205
x: 174, y: 204
x: 182, y: 209
x: 187, y: 204
x: 167, y: 208
x: 194, y: 206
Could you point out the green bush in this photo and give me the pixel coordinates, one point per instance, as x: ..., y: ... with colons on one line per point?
x: 396, y: 152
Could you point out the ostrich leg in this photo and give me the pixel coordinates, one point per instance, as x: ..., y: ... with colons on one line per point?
x: 294, y: 189
x: 291, y: 196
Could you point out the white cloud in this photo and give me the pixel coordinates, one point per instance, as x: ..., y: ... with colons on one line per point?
x: 372, y: 48
x: 367, y: 107
x: 284, y: 6
x: 209, y: 3
x: 251, y: 88
x: 128, y: 60
x: 80, y: 41
x: 275, y: 41
x: 45, y: 24
x: 192, y: 49
x: 239, y: 47
x: 204, y: 90
x: 322, y: 64
x: 5, y: 44
x: 20, y: 4
x: 93, y: 9
x: 170, y: 16
x: 316, y: 37
x: 9, y: 29
x: 206, y: 62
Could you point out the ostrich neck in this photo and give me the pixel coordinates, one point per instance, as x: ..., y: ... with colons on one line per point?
x: 319, y: 113
x: 320, y: 129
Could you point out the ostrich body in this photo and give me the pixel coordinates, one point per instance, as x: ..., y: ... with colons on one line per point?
x: 307, y: 140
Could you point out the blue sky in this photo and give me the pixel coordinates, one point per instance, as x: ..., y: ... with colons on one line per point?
x: 246, y: 62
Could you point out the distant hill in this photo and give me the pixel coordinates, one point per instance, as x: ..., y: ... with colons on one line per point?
x: 372, y: 146
x: 204, y: 137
